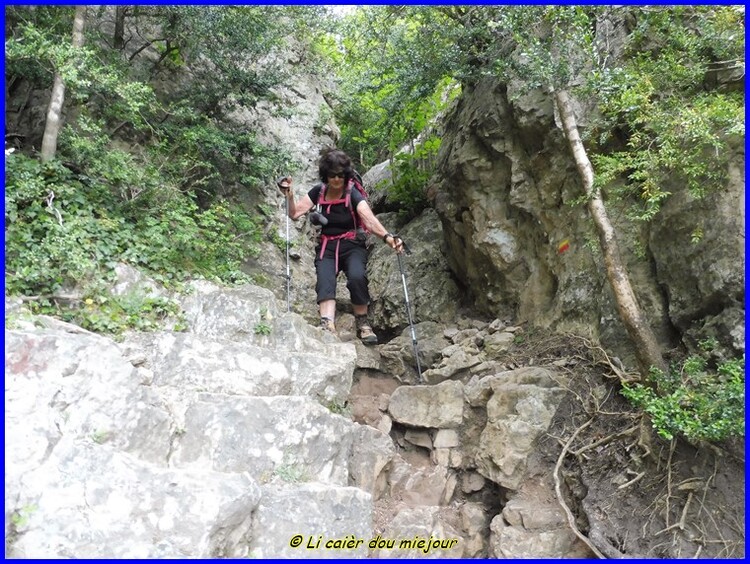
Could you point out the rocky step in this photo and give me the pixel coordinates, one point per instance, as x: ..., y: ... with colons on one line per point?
x: 194, y: 363
x: 291, y: 437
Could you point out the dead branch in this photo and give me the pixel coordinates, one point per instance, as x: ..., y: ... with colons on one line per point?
x: 621, y: 374
x: 52, y: 208
x: 147, y: 45
x: 672, y: 446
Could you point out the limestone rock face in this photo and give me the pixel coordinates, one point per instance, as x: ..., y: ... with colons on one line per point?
x: 224, y: 352
x: 377, y: 180
x: 316, y: 512
x: 422, y: 532
x: 504, y: 191
x: 311, y: 126
x: 92, y: 501
x: 261, y: 435
x: 302, y: 130
x: 705, y: 280
x: 432, y: 291
x: 213, y: 443
x: 519, y: 410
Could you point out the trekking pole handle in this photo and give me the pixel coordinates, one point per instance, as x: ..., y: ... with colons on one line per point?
x: 284, y: 183
x: 407, y: 250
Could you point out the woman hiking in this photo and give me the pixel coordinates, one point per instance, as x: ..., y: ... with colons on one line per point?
x: 343, y: 211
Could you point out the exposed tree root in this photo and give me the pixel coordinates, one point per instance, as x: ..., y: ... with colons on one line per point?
x: 558, y: 491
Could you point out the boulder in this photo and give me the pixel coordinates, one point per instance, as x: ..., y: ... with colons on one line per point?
x: 265, y: 437
x: 497, y: 343
x: 153, y: 448
x: 534, y: 529
x: 397, y: 356
x: 503, y: 187
x: 519, y: 410
x: 59, y: 383
x: 187, y: 363
x: 131, y: 281
x: 457, y: 360
x: 439, y: 406
x: 90, y: 501
x: 429, y: 485
x: 421, y: 532
x: 315, y: 515
x: 447, y: 438
x: 433, y: 294
x: 371, y: 453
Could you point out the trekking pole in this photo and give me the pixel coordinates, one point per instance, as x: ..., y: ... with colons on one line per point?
x: 286, y: 213
x: 414, y: 344
x: 288, y: 273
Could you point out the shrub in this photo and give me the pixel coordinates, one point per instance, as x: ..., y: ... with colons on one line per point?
x: 695, y: 401
x: 66, y: 231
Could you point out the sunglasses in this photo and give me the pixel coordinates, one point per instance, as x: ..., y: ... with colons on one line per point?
x: 337, y: 174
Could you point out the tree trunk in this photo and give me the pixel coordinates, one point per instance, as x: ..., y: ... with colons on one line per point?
x: 647, y: 350
x: 54, y: 112
x: 119, y: 38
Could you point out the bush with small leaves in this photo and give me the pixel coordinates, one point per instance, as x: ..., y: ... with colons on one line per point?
x: 699, y: 403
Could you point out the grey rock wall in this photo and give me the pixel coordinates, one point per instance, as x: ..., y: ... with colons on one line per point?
x: 505, y: 192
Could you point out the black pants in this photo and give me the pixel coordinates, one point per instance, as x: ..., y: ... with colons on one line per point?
x: 353, y: 261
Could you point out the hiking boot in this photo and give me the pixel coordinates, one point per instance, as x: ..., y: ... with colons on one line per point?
x: 328, y: 326
x: 364, y: 331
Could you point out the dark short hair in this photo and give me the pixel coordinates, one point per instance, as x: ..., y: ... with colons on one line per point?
x: 334, y: 159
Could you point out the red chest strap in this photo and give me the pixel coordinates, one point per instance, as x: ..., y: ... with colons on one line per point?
x: 346, y: 200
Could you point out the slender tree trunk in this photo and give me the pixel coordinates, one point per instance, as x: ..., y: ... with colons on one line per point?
x: 119, y: 38
x: 647, y: 350
x: 54, y: 112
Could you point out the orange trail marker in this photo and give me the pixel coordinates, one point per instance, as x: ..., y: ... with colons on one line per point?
x: 563, y: 246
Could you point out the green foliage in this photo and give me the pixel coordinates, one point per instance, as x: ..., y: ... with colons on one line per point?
x: 152, y: 168
x: 101, y: 436
x: 552, y: 45
x: 112, y: 315
x: 278, y: 241
x: 291, y: 473
x: 116, y: 315
x: 64, y: 230
x: 340, y: 408
x: 20, y: 518
x: 36, y: 48
x: 696, y: 402
x: 679, y: 130
x: 660, y: 95
x: 58, y: 231
x: 182, y: 139
x: 262, y: 328
x: 393, y: 78
x: 411, y: 173
x: 680, y: 141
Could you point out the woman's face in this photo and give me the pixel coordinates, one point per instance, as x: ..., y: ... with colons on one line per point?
x: 336, y: 179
